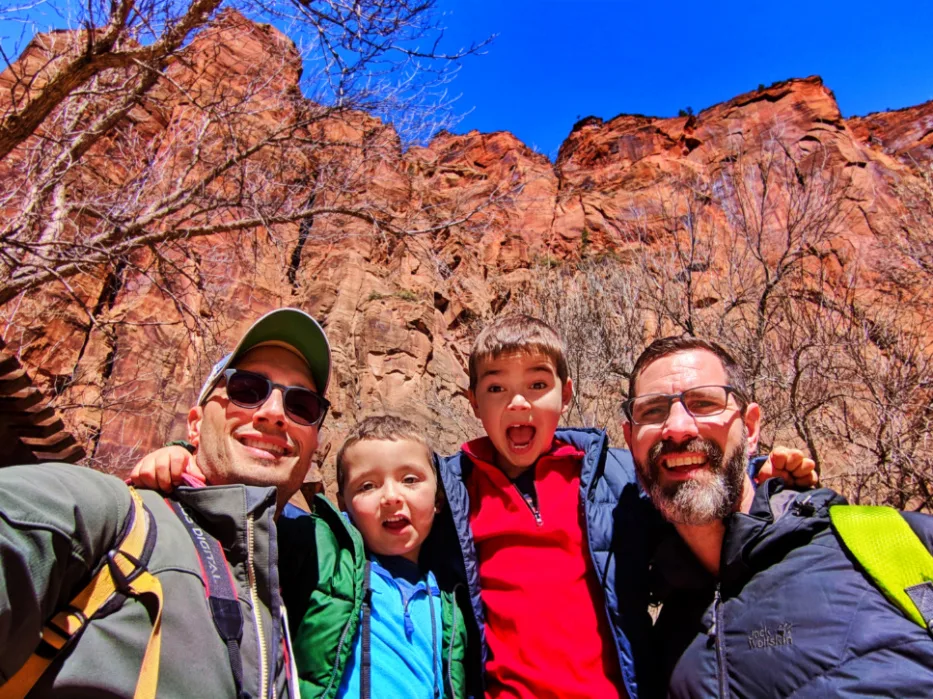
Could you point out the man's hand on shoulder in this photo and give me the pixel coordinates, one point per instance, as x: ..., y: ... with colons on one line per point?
x: 792, y: 465
x: 161, y: 470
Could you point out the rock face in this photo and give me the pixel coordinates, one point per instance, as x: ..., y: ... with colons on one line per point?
x: 906, y: 134
x: 401, y: 310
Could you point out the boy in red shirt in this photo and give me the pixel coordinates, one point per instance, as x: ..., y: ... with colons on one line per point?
x: 555, y: 534
x: 534, y: 510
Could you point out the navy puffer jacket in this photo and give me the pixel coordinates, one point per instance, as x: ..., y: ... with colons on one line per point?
x: 793, y: 615
x: 621, y: 526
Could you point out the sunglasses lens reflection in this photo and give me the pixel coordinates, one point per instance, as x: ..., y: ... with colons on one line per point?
x: 250, y: 390
x: 303, y: 406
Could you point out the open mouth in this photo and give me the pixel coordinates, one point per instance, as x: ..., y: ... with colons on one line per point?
x: 520, y: 437
x: 684, y: 462
x: 395, y: 523
x: 264, y: 448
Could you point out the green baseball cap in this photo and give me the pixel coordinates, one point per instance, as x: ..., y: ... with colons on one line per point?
x: 290, y: 328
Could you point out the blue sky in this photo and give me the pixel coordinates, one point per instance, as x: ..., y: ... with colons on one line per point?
x: 555, y: 61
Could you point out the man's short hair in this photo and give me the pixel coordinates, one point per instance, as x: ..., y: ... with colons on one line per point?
x: 666, y: 346
x: 388, y: 427
x: 517, y: 333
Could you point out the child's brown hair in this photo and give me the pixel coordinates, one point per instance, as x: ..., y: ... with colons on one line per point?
x: 517, y: 333
x: 387, y: 427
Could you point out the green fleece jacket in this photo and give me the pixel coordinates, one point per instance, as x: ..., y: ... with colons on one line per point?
x: 57, y: 524
x: 324, y: 586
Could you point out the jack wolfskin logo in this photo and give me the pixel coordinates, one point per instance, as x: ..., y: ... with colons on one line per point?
x: 768, y: 638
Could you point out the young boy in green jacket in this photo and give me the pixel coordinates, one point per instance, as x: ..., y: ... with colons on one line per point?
x: 367, y: 616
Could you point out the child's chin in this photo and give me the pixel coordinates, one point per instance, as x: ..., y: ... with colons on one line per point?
x: 523, y: 458
x: 398, y: 548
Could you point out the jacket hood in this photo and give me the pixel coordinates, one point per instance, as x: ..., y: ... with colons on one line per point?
x: 583, y: 438
x: 592, y: 443
x: 779, y: 521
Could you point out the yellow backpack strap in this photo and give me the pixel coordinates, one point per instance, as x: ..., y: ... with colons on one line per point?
x: 124, y: 573
x: 891, y: 553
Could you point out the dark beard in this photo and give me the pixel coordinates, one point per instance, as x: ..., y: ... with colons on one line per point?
x: 695, y: 502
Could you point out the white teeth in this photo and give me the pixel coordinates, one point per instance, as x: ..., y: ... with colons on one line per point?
x: 274, y: 449
x: 681, y: 461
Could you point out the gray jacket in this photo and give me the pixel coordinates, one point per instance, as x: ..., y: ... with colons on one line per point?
x: 57, y: 523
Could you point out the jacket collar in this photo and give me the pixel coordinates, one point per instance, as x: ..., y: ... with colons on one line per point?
x: 482, y: 453
x: 779, y: 521
x: 223, y: 511
x: 592, y: 443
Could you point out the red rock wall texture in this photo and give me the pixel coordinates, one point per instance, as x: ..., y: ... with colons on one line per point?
x: 400, y: 310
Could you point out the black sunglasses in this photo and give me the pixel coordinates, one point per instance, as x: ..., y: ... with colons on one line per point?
x: 249, y: 390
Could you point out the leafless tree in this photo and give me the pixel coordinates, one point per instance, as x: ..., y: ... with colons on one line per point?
x: 156, y: 147
x: 753, y: 253
x: 915, y: 192
x: 786, y: 210
x: 675, y: 239
x: 875, y: 424
x: 596, y: 306
x: 138, y: 130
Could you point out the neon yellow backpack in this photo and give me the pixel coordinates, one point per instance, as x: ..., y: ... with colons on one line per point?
x: 892, y: 555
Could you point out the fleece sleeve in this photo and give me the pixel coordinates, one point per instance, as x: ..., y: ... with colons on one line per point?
x: 57, y: 522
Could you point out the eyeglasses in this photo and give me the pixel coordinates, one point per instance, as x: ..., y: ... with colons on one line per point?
x: 701, y: 401
x: 249, y: 390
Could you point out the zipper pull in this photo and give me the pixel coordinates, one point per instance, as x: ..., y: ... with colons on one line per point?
x: 532, y: 505
x: 711, y: 631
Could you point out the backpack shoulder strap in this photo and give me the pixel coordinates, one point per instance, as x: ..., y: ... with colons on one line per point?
x: 891, y: 553
x: 366, y: 663
x: 123, y: 573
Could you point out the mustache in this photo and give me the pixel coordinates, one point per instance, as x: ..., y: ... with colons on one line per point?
x: 696, y: 444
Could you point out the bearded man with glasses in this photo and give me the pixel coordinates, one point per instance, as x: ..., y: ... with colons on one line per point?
x: 760, y: 597
x: 695, y: 470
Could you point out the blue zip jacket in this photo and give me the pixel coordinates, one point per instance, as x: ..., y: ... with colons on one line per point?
x: 793, y: 615
x: 621, y: 528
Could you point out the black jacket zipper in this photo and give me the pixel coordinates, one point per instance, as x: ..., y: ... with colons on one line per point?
x: 716, y: 634
x: 531, y: 505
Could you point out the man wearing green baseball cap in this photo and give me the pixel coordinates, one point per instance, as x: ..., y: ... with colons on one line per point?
x: 189, y: 583
x: 257, y: 416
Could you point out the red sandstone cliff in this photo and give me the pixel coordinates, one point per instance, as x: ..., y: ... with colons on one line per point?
x: 400, y: 310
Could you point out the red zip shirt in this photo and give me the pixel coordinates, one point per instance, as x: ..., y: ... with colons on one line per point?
x: 546, y: 623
